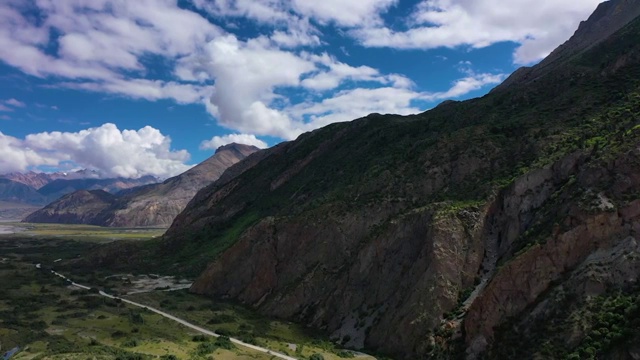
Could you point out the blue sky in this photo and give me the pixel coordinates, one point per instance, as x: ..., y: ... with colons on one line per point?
x: 151, y: 87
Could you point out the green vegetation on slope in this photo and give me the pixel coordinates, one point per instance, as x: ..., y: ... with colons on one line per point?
x: 585, y: 329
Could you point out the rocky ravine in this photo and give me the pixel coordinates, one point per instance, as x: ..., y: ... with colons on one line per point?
x: 150, y: 205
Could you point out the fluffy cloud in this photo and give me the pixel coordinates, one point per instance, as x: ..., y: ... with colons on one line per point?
x: 331, y: 73
x: 14, y: 156
x: 466, y: 85
x: 101, y: 43
x: 351, y: 104
x: 537, y: 25
x: 345, y: 13
x: 261, y: 73
x: 127, y: 153
x: 247, y: 74
x: 296, y: 36
x: 246, y: 139
x: 252, y: 78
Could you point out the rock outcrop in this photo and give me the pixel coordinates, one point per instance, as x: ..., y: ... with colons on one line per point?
x: 587, y: 230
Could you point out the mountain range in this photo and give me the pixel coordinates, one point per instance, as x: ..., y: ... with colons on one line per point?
x: 23, y: 193
x: 39, y: 179
x: 20, y: 193
x: 502, y: 227
x: 152, y: 205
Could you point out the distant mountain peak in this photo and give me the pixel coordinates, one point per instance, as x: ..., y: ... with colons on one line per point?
x: 607, y: 19
x: 236, y: 147
x: 150, y: 205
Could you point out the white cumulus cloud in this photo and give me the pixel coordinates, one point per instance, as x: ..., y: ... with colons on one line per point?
x: 247, y: 75
x: 14, y: 156
x: 538, y: 26
x: 127, y: 153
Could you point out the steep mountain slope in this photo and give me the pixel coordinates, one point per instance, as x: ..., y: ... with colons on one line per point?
x: 159, y: 204
x: 79, y: 207
x: 426, y: 235
x: 13, y: 191
x: 151, y: 205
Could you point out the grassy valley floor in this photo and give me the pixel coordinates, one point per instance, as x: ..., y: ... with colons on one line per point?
x: 85, y: 233
x: 49, y: 319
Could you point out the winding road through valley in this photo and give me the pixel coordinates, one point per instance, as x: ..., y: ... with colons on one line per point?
x: 176, y: 319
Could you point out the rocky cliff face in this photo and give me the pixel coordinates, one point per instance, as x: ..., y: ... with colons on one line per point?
x: 590, y: 223
x: 151, y: 205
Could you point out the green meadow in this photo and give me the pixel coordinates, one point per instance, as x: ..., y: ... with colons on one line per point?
x: 49, y: 319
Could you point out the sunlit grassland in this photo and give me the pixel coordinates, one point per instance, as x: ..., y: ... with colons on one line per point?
x: 49, y: 319
x: 83, y: 232
x: 236, y: 321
